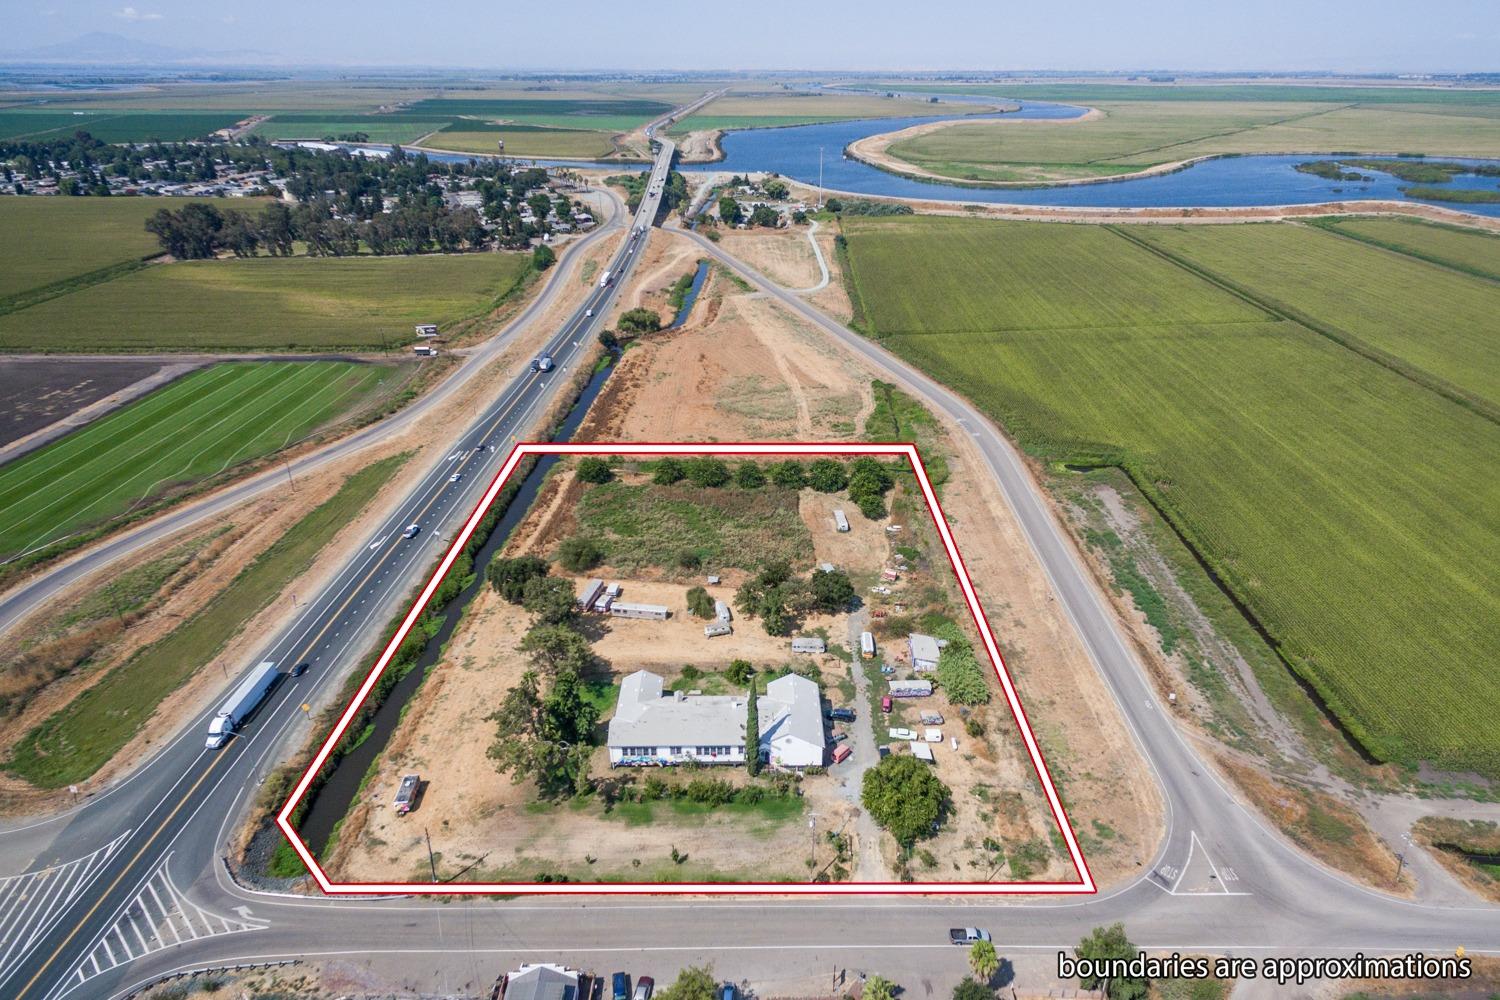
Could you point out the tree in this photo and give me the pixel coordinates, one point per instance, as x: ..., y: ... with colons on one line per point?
x: 765, y: 215
x: 594, y: 469
x: 1105, y: 944
x: 557, y: 649
x: 827, y: 475
x: 544, y: 739
x: 667, y: 471
x: 834, y: 205
x: 729, y: 211
x: 699, y: 603
x: 739, y: 671
x: 509, y: 576
x: 707, y: 471
x: 775, y: 189
x: 904, y: 797
x: 577, y: 554
x: 752, y: 731
x: 749, y: 476
x: 879, y: 988
x: 831, y: 592
x: 640, y: 320
x: 983, y: 960
x: 692, y: 983
x: 789, y: 475
x: 550, y: 600
x: 542, y: 257
x: 970, y: 989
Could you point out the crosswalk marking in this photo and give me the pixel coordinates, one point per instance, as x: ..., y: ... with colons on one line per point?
x: 157, y: 917
x: 31, y: 903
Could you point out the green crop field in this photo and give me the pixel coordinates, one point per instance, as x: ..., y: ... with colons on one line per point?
x: 1087, y: 93
x: 1418, y: 314
x: 1462, y: 249
x: 775, y: 109
x: 114, y: 126
x: 293, y: 303
x: 74, y: 742
x: 1133, y: 135
x: 1353, y: 510
x: 396, y: 128
x: 521, y: 140
x: 46, y: 240
x: 175, y: 437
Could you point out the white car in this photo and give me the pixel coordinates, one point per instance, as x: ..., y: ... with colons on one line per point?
x: 588, y: 312
x: 455, y: 477
x: 411, y: 531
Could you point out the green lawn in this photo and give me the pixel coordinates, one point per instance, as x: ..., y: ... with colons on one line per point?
x: 267, y: 303
x: 47, y: 240
x: 1462, y: 249
x: 1353, y: 510
x: 179, y: 435
x: 1132, y: 135
x: 77, y: 740
x: 648, y: 525
x: 1419, y: 314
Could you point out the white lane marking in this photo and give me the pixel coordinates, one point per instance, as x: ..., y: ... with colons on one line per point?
x: 378, y: 543
x: 32, y: 903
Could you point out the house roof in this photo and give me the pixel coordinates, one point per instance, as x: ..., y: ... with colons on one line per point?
x: 924, y: 647
x: 542, y: 982
x: 644, y: 716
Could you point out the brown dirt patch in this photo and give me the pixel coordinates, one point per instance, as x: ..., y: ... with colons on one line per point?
x: 783, y: 255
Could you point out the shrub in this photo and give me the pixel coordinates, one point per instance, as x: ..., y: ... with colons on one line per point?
x: 667, y: 471
x: 789, y: 475
x: 688, y: 559
x: 542, y: 257
x: 578, y: 554
x: 827, y: 475
x: 594, y: 469
x: 749, y: 476
x: 739, y: 672
x: 640, y: 320
x: 974, y: 727
x: 707, y: 471
x: 700, y: 604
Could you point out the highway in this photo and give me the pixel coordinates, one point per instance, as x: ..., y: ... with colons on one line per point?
x: 139, y: 872
x: 168, y: 817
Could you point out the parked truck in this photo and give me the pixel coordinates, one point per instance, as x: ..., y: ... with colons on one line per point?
x: 251, y: 692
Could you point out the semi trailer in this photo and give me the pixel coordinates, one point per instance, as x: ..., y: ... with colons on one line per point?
x: 251, y: 692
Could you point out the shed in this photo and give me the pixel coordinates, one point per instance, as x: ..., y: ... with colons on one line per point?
x: 541, y: 982
x: 650, y: 612
x: 924, y: 650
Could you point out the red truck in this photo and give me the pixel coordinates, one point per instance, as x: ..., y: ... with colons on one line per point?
x: 885, y: 703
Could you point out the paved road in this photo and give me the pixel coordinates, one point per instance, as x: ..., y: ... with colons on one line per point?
x: 1220, y: 881
x: 176, y: 808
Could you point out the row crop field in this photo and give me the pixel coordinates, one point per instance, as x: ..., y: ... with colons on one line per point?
x: 1461, y: 249
x: 522, y: 140
x: 267, y: 303
x: 114, y: 126
x: 1420, y: 315
x: 1350, y: 508
x: 195, y: 428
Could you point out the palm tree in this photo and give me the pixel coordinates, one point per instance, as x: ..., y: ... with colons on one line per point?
x: 983, y: 960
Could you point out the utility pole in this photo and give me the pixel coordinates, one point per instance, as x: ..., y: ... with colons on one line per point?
x: 431, y: 861
x: 820, y: 176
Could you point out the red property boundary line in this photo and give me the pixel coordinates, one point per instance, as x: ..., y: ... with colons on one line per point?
x: 1085, y: 885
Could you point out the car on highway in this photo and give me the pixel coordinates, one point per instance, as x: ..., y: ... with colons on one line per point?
x: 967, y: 935
x: 300, y: 669
x: 455, y: 477
x: 588, y: 312
x: 643, y: 988
x: 542, y: 364
x: 621, y: 989
x: 411, y: 531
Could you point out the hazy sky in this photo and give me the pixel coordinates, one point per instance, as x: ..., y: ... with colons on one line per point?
x: 1340, y: 35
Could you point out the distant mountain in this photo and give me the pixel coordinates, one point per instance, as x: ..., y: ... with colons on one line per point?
x: 107, y: 48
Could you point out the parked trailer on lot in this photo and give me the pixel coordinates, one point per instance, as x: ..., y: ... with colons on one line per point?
x: 717, y: 629
x: 251, y: 692
x: 406, y: 795
x: 650, y: 612
x: 867, y: 643
x: 840, y: 521
x: 911, y: 689
x: 809, y: 644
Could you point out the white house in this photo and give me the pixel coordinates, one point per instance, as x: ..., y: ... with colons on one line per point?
x: 654, y: 727
x: 541, y: 982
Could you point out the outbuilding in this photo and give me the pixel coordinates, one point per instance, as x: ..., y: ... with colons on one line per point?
x: 840, y: 521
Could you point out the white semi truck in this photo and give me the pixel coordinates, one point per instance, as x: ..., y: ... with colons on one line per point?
x: 251, y: 692
x: 604, y: 280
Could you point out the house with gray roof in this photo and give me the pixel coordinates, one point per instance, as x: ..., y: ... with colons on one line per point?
x: 541, y: 982
x: 655, y: 727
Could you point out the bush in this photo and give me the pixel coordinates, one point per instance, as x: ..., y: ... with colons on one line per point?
x: 667, y: 471
x: 688, y: 559
x: 594, y: 469
x: 509, y: 576
x: 707, y: 472
x: 749, y: 476
x: 578, y: 554
x: 739, y: 672
x: 834, y: 205
x: 542, y: 257
x: 700, y: 604
x: 827, y: 476
x: 974, y: 727
x: 640, y: 320
x: 789, y: 475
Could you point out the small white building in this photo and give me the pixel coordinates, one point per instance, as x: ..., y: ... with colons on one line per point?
x: 653, y: 727
x: 924, y: 650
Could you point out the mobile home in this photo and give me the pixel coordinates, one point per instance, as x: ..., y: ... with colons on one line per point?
x: 721, y: 611
x: 911, y: 689
x: 591, y: 592
x: 840, y: 521
x: 717, y: 629
x: 809, y: 644
x: 649, y: 612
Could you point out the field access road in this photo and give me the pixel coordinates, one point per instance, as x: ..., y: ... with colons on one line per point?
x: 173, y: 815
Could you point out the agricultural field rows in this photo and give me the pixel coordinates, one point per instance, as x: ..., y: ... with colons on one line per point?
x: 114, y: 126
x: 1352, y: 510
x: 194, y: 428
x: 267, y: 303
x: 1423, y: 315
x: 1462, y: 249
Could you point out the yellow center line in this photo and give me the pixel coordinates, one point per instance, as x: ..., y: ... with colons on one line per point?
x: 120, y: 877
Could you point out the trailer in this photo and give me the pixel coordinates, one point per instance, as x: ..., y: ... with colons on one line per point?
x: 250, y: 693
x: 911, y: 689
x: 721, y: 611
x: 406, y: 795
x: 840, y: 521
x: 867, y: 643
x: 647, y: 612
x: 809, y: 644
x: 717, y: 629
x: 590, y: 595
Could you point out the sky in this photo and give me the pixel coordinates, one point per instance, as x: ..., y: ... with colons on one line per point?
x: 1348, y: 36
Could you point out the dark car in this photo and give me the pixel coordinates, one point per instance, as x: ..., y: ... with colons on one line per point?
x: 300, y: 669
x: 596, y: 989
x: 841, y: 714
x: 621, y: 986
x: 643, y: 987
x: 727, y: 992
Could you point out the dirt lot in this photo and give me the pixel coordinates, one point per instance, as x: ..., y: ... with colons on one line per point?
x: 783, y: 255
x: 36, y: 392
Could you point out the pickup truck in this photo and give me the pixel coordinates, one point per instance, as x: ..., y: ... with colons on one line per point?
x: 967, y: 935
